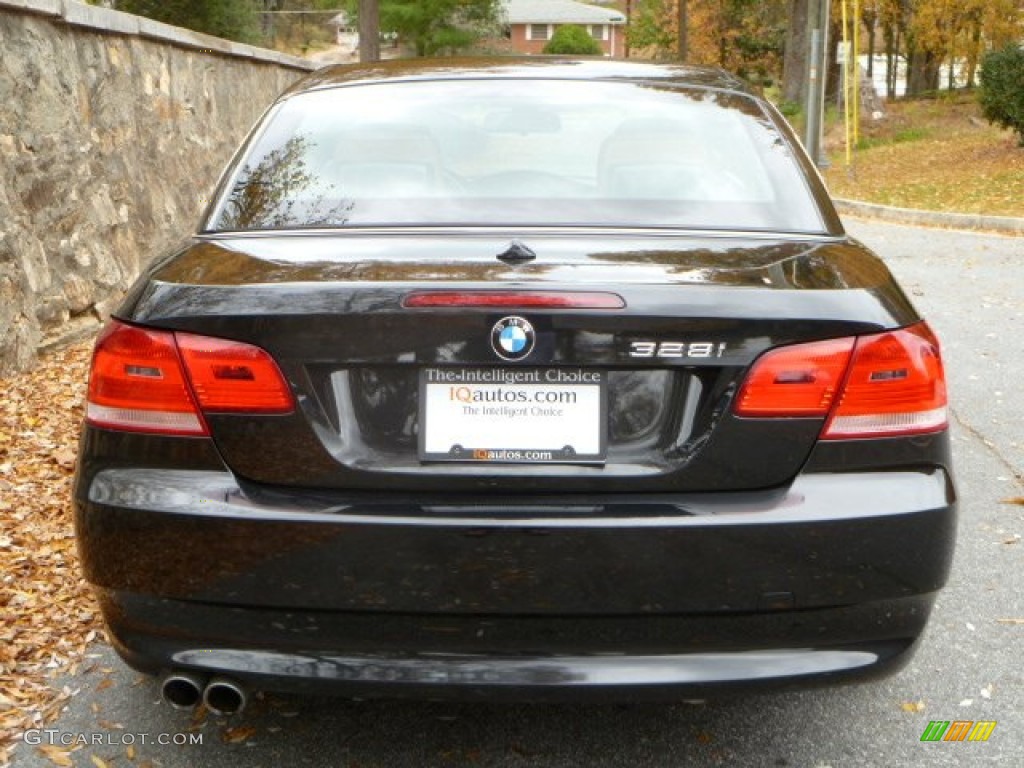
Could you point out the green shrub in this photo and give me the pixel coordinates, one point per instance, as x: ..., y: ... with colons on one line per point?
x: 790, y: 108
x: 572, y: 40
x: 1002, y: 88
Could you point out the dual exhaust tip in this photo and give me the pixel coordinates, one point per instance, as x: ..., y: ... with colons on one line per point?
x: 220, y: 695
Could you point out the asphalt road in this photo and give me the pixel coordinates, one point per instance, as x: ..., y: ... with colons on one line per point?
x: 971, y: 287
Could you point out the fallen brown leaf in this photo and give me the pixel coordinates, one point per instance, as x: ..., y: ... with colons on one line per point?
x: 239, y: 734
x: 1018, y: 500
x: 65, y: 457
x: 57, y: 755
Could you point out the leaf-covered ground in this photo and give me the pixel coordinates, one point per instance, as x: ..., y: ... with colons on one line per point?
x: 936, y: 155
x: 47, y: 614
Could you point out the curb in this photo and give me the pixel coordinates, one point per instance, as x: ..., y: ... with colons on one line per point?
x: 1007, y: 225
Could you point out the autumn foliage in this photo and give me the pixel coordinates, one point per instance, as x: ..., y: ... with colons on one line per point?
x: 749, y: 37
x: 742, y: 36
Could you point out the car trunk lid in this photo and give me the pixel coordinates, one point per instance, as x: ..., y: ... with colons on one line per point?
x: 658, y: 374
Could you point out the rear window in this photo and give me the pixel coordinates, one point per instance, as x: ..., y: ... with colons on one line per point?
x: 518, y: 152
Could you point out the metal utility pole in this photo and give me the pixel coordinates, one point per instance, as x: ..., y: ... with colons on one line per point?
x: 369, y: 30
x: 817, y: 75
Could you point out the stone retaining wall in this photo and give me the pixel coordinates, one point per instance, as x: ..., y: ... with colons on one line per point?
x: 113, y: 130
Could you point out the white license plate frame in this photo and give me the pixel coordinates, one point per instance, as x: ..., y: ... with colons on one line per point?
x: 513, y: 415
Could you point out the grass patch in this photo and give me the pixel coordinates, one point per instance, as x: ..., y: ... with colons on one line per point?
x: 935, y: 154
x: 910, y: 134
x: 900, y: 137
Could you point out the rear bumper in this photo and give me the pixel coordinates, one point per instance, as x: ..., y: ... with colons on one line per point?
x: 827, y: 580
x: 617, y: 658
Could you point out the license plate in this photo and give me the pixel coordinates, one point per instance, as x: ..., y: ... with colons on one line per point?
x: 513, y: 415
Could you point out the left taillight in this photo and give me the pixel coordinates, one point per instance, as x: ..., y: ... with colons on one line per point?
x: 233, y: 377
x: 146, y: 380
x: 138, y: 384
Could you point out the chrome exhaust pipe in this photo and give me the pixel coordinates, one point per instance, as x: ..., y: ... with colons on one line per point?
x: 224, y: 696
x: 182, y: 690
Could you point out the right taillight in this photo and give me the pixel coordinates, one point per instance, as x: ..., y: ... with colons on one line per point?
x: 896, y: 385
x: 883, y: 385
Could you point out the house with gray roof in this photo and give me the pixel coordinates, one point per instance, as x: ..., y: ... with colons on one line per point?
x: 533, y: 22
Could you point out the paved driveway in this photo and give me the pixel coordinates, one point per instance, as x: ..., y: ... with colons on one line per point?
x: 971, y: 287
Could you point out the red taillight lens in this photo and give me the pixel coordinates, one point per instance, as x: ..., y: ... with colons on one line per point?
x: 801, y: 380
x: 232, y: 377
x: 138, y: 385
x: 515, y: 299
x: 145, y: 380
x: 896, y: 386
x: 882, y: 385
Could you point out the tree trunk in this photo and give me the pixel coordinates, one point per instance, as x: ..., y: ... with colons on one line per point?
x: 974, y: 54
x: 889, y: 33
x: 896, y: 61
x: 832, y: 68
x: 922, y: 73
x: 369, y: 30
x: 954, y: 27
x: 629, y: 26
x: 267, y: 22
x: 911, y: 59
x: 870, y: 21
x: 683, y: 43
x: 794, y: 66
x: 723, y: 40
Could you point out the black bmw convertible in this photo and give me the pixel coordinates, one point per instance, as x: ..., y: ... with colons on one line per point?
x: 523, y: 379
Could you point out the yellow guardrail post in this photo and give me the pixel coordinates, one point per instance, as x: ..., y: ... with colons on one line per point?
x: 856, y: 73
x: 847, y: 56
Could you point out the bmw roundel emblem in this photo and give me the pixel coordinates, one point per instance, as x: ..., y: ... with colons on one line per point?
x: 513, y: 338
